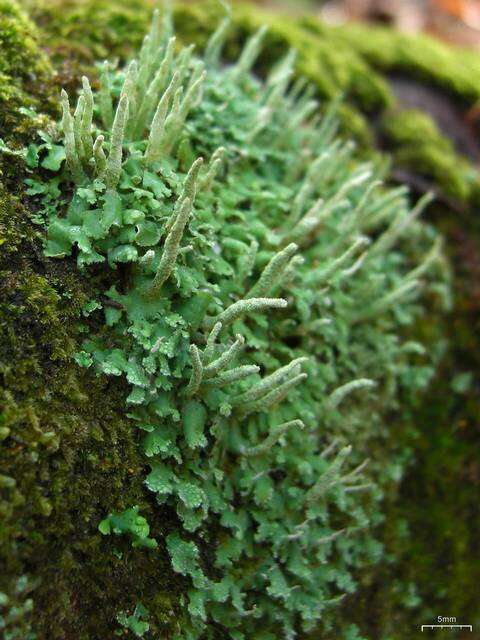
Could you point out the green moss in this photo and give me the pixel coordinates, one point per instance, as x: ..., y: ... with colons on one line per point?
x: 93, y: 30
x: 419, y: 56
x: 66, y: 451
x: 431, y: 524
x: 420, y: 148
x: 68, y: 446
x: 117, y: 28
x: 24, y: 69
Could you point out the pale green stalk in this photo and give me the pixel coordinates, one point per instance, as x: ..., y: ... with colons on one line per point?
x: 270, y: 382
x: 337, y: 396
x: 329, y: 476
x: 157, y: 129
x: 99, y: 156
x: 155, y: 88
x: 250, y: 53
x: 197, y: 372
x: 273, y: 437
x: 72, y: 159
x: 87, y: 118
x: 171, y: 248
x: 105, y: 97
x: 226, y: 358
x: 273, y: 272
x: 233, y: 375
x: 242, y: 307
x: 114, y: 162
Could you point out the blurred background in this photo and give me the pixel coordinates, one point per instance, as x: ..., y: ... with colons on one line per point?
x: 456, y: 21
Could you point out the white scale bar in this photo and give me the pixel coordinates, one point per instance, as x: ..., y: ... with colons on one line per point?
x: 447, y: 626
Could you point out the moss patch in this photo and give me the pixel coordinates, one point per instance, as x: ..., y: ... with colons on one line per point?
x: 24, y: 69
x: 66, y: 453
x: 419, y: 56
x: 419, y: 147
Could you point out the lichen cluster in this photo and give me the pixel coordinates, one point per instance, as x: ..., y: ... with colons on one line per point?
x: 257, y: 282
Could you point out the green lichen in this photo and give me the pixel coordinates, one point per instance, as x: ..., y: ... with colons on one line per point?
x: 134, y: 622
x: 130, y: 523
x: 188, y: 258
x: 86, y: 31
x: 353, y: 59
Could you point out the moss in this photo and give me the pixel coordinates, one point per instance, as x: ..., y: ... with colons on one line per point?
x: 118, y: 29
x: 431, y: 525
x: 68, y: 446
x: 66, y: 453
x: 24, y: 69
x: 419, y: 56
x: 92, y: 30
x: 420, y: 148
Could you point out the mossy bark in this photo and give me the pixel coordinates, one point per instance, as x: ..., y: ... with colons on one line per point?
x: 69, y: 455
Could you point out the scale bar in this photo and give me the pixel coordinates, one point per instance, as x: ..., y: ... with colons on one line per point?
x: 447, y: 626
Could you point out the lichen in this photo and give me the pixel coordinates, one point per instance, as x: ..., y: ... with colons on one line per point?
x: 198, y: 252
x: 353, y: 59
x: 77, y: 36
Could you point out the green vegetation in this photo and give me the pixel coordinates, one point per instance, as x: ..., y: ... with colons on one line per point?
x: 246, y: 420
x: 71, y: 456
x: 130, y: 523
x: 23, y: 67
x: 134, y: 622
x: 67, y: 453
x: 354, y: 59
